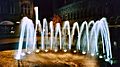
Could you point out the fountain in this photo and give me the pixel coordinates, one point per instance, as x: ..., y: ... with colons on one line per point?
x: 65, y: 34
x: 62, y: 37
x: 27, y: 30
x: 58, y: 31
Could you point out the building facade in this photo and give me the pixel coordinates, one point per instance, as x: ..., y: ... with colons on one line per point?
x: 26, y: 7
x: 80, y: 10
x: 13, y: 10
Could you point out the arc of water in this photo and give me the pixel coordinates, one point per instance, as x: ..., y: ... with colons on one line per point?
x: 58, y: 30
x: 75, y: 26
x: 91, y: 23
x: 30, y: 36
x: 94, y: 37
x: 26, y: 25
x: 102, y: 35
x: 79, y: 38
x: 106, y: 43
x: 67, y: 25
x: 97, y: 28
x: 107, y: 39
x: 102, y: 27
x: 37, y: 26
x: 44, y: 34
x: 101, y: 30
x: 18, y: 56
x: 51, y: 34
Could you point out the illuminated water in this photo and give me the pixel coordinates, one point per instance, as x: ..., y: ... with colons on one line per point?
x: 63, y: 37
x: 75, y: 26
x: 66, y: 39
x: 27, y: 30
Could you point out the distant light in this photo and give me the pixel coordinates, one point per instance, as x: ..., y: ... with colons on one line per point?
x: 97, y: 53
x: 12, y: 31
x: 55, y: 50
x: 46, y: 50
x: 37, y: 51
x: 83, y: 52
x: 100, y: 56
x: 92, y: 54
x: 18, y: 22
x: 115, y: 43
x: 65, y: 50
x: 74, y: 51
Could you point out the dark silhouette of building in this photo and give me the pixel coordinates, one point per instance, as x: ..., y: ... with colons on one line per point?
x: 80, y: 10
x: 13, y: 10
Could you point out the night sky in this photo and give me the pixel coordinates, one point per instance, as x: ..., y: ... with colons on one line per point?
x: 47, y: 7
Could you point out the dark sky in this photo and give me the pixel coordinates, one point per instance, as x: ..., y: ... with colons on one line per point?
x: 43, y: 7
x: 47, y: 7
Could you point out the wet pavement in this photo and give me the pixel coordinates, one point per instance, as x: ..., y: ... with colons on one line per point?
x: 7, y: 52
x: 47, y: 60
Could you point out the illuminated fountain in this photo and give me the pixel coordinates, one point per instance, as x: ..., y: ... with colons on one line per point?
x: 62, y: 38
x: 57, y: 31
x: 75, y: 26
x: 100, y: 27
x: 27, y: 30
x: 66, y: 35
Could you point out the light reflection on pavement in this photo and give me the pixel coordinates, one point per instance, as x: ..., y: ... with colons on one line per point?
x: 48, y: 59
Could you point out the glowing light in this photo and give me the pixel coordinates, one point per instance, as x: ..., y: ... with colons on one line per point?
x: 37, y: 51
x: 100, y: 56
x: 17, y: 22
x: 106, y: 59
x: 83, y: 52
x: 12, y: 32
x: 46, y: 50
x: 74, y: 51
x: 65, y: 50
x: 92, y: 54
x: 97, y: 54
x: 55, y: 50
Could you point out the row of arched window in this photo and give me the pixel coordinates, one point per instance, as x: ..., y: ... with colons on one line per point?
x: 83, y: 13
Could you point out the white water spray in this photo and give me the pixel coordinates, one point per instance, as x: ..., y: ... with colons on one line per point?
x: 27, y: 30
x: 66, y: 27
x: 87, y: 33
